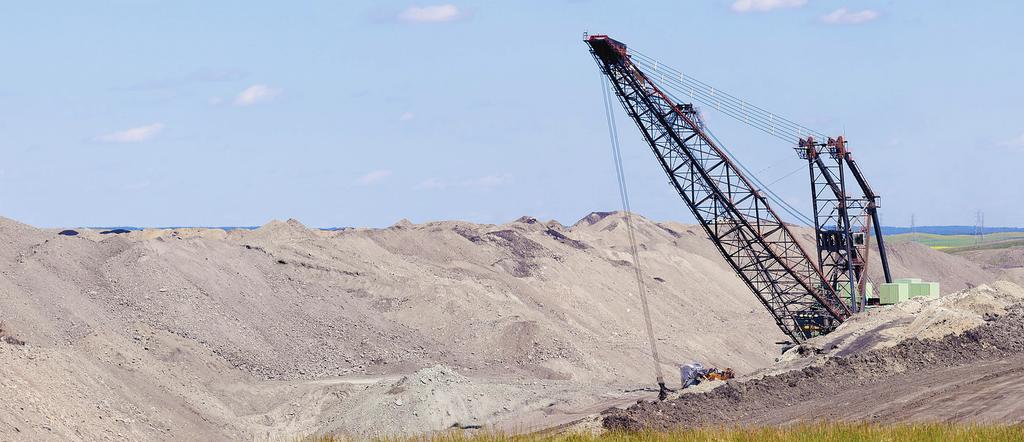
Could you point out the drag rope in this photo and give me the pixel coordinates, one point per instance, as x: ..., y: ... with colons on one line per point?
x: 613, y: 135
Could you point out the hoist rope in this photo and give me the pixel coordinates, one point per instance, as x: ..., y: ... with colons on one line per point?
x: 613, y: 136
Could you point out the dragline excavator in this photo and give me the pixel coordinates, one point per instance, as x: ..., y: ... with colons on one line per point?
x: 806, y: 296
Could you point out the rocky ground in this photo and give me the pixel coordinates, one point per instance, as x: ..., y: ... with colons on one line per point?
x: 285, y: 331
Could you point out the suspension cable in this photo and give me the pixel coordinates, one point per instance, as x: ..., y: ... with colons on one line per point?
x: 779, y: 127
x: 739, y: 109
x: 787, y: 175
x: 717, y: 96
x: 613, y: 136
x: 774, y: 197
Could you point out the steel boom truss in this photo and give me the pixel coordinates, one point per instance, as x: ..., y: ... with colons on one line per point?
x: 735, y: 215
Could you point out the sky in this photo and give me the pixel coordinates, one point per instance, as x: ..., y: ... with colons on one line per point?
x: 351, y: 113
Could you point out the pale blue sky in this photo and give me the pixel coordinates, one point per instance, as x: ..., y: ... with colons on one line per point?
x: 158, y: 113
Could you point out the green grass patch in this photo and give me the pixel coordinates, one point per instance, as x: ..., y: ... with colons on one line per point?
x: 931, y: 432
x: 957, y: 243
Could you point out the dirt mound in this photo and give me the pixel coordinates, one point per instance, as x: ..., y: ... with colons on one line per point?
x: 248, y: 319
x: 884, y: 385
x: 285, y: 330
x: 290, y: 230
x: 1006, y: 263
x: 593, y: 218
x: 18, y: 239
x: 1006, y: 258
x: 918, y: 318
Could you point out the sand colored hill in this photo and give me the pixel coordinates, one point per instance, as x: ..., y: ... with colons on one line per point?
x: 1007, y: 263
x: 913, y: 260
x: 284, y: 330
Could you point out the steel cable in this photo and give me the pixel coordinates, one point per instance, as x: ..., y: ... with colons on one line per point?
x: 711, y: 96
x: 613, y: 135
x: 740, y: 110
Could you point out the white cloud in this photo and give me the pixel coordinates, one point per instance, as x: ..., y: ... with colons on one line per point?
x: 1016, y: 144
x: 255, y: 94
x: 486, y: 182
x: 408, y: 116
x: 432, y: 184
x: 133, y: 135
x: 373, y: 177
x: 744, y: 6
x: 429, y: 14
x: 842, y: 16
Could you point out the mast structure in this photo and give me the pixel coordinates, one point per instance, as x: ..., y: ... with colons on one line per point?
x: 843, y: 223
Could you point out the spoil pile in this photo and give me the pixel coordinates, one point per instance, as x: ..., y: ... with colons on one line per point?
x: 943, y: 361
x: 284, y: 331
x: 917, y: 318
x: 1007, y: 263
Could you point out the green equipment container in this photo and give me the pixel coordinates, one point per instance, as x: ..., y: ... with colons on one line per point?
x: 926, y: 289
x: 844, y: 291
x: 907, y: 281
x: 893, y: 293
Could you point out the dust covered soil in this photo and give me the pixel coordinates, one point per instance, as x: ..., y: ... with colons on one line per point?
x: 973, y: 376
x: 285, y: 331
